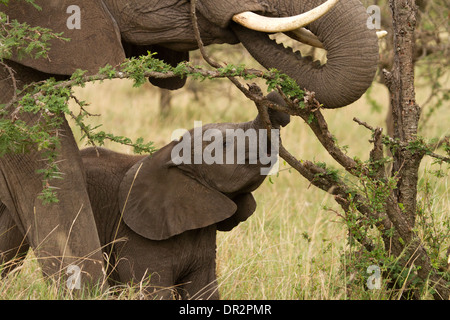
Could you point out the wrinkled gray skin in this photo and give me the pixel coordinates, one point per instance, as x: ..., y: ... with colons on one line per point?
x: 170, y: 214
x: 64, y: 234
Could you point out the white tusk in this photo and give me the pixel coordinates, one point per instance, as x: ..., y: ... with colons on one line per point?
x: 260, y: 23
x: 381, y: 34
x: 305, y: 36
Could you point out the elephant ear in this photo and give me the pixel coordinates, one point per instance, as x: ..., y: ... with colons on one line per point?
x: 160, y: 201
x: 94, y: 44
x: 246, y: 205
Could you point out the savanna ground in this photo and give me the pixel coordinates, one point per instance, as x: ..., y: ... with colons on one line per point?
x: 295, y: 246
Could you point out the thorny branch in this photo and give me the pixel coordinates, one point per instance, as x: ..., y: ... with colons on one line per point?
x: 391, y: 142
x: 12, y: 77
x: 124, y: 75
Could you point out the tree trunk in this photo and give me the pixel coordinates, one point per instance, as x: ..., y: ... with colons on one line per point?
x: 401, y: 206
x: 405, y: 111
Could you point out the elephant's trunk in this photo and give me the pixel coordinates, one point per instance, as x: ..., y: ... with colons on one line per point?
x: 277, y: 118
x: 352, y: 52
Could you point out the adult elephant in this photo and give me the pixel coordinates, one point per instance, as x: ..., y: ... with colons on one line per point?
x: 107, y: 31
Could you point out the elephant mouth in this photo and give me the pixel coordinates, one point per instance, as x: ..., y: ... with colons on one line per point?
x: 313, y: 49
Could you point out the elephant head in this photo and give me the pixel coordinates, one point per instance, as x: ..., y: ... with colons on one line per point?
x: 162, y: 197
x: 108, y: 30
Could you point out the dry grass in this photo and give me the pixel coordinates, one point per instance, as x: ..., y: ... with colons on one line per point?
x: 292, y: 247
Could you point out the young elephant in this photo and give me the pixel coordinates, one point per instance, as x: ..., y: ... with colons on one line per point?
x: 157, y: 215
x: 171, y: 211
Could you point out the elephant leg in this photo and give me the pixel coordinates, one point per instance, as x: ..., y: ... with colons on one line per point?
x: 200, y: 284
x: 13, y: 244
x: 61, y: 234
x: 156, y: 285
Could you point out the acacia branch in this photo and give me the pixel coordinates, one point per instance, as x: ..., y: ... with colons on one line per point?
x: 12, y: 77
x: 319, y: 126
x: 115, y: 74
x: 422, y: 147
x: 312, y: 116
